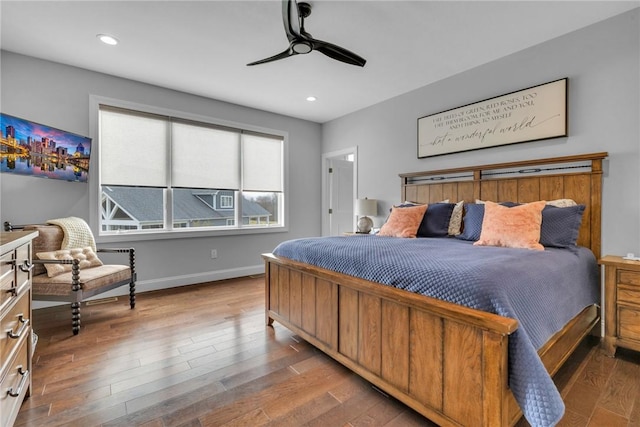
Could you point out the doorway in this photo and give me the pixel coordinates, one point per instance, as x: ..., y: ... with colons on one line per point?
x: 339, y: 182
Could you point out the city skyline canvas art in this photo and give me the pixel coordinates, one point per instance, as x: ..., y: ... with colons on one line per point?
x: 33, y: 149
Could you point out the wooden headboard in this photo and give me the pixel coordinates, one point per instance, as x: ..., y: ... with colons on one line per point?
x: 576, y: 177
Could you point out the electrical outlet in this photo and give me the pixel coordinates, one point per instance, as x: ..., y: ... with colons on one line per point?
x: 214, y: 254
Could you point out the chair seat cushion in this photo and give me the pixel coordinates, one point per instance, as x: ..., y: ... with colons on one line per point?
x: 90, y: 279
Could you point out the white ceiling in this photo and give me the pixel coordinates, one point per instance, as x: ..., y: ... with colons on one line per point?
x: 202, y: 47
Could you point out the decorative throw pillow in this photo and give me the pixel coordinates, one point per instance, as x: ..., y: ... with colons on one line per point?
x: 435, y: 222
x: 560, y: 225
x: 403, y: 222
x: 86, y: 256
x: 515, y: 227
x: 455, y: 222
x: 472, y: 221
x: 405, y: 204
x: 561, y: 220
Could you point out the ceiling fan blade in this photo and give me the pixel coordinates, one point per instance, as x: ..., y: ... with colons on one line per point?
x: 287, y: 53
x: 291, y: 19
x: 338, y: 53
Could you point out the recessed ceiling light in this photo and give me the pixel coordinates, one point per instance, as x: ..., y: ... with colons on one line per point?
x: 311, y: 98
x: 107, y: 39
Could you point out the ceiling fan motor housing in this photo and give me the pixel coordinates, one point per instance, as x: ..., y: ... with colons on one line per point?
x: 301, y: 46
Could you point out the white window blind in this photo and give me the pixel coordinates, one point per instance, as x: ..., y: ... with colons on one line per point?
x: 205, y: 157
x: 209, y: 175
x: 133, y: 149
x: 262, y: 163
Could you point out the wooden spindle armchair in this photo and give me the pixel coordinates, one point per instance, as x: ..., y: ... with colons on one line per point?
x: 74, y: 274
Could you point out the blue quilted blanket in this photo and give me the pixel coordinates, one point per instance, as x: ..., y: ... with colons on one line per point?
x: 543, y: 290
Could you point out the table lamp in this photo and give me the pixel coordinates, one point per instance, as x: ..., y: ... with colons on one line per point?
x: 365, y: 207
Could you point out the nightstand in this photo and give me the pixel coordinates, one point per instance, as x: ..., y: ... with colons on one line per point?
x: 622, y: 304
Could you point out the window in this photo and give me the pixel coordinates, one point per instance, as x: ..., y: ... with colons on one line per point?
x: 162, y: 173
x: 226, y: 202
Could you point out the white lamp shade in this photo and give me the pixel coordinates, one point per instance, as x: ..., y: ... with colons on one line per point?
x: 366, y: 207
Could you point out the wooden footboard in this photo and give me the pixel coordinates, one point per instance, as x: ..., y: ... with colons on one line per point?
x: 446, y: 361
x: 398, y: 341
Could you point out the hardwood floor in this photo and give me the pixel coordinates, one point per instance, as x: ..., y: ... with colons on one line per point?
x: 202, y: 356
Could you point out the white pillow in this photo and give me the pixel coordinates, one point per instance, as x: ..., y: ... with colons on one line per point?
x: 86, y: 256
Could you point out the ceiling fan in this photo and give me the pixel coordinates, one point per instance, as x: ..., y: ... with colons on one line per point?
x: 300, y: 42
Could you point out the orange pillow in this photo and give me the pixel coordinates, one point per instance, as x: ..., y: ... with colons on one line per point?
x: 403, y: 222
x: 515, y: 227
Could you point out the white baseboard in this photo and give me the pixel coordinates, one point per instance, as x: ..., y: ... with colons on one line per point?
x: 170, y: 282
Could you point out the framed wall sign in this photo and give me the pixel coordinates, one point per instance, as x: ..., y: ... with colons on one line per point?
x: 532, y: 114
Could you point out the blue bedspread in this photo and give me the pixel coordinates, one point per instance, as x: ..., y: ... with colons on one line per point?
x: 543, y: 290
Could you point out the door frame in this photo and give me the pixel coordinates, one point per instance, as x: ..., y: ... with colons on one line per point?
x: 326, y: 157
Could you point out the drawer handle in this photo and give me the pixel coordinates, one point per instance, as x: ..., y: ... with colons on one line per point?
x: 26, y: 267
x: 23, y: 327
x: 23, y: 381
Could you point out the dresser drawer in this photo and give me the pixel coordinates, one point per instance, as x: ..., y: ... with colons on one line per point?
x: 16, y: 378
x: 629, y: 295
x: 628, y: 277
x: 7, y: 279
x: 11, y: 322
x: 629, y: 323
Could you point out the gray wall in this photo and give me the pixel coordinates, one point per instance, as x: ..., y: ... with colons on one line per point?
x: 602, y: 64
x: 58, y: 96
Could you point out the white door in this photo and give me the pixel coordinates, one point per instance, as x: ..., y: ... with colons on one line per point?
x: 341, y: 216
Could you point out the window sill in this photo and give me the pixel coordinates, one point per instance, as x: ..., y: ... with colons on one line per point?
x: 136, y: 236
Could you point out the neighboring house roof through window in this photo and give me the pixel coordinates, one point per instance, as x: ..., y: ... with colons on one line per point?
x: 141, y: 204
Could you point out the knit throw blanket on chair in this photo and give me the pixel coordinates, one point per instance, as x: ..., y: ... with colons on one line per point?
x: 77, y: 233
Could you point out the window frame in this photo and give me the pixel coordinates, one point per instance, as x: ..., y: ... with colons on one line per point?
x: 228, y: 204
x: 140, y: 235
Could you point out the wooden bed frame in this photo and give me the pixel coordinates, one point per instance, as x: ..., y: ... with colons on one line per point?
x: 446, y: 361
